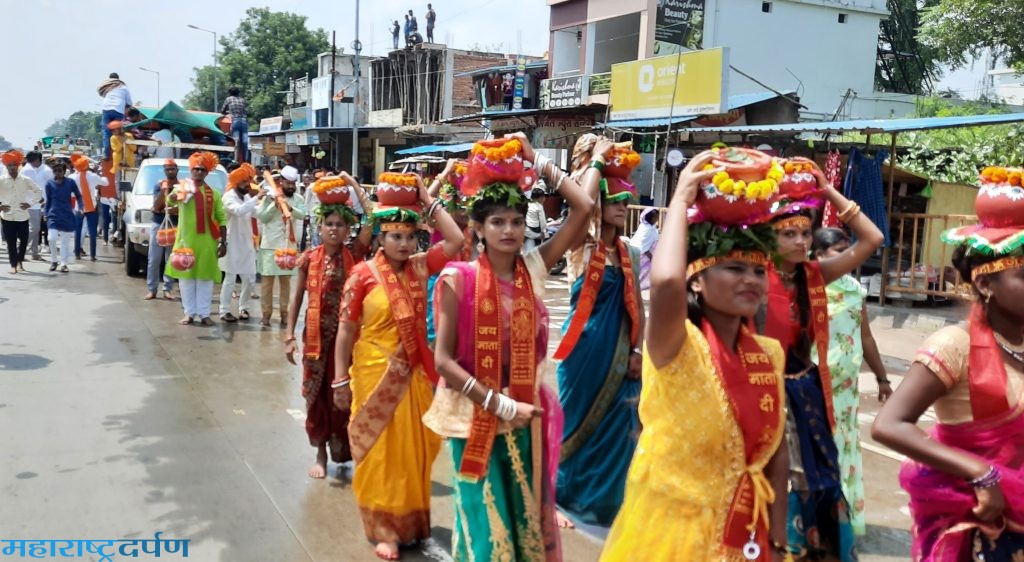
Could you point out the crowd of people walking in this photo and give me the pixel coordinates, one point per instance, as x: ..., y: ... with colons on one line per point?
x: 718, y: 423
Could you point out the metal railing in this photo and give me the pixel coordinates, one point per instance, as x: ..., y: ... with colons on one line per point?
x: 600, y: 83
x: 920, y: 265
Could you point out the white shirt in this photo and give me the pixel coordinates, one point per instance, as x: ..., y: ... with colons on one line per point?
x: 165, y: 135
x: 14, y: 192
x: 39, y: 176
x: 241, y: 256
x: 94, y: 181
x: 117, y: 99
x: 536, y: 222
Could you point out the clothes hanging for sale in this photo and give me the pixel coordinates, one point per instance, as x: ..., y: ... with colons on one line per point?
x: 864, y: 186
x: 830, y: 218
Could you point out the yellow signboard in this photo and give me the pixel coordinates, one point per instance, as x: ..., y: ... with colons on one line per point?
x: 644, y: 89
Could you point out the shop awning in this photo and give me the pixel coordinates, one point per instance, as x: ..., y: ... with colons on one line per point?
x: 735, y: 102
x: 430, y: 148
x: 868, y: 126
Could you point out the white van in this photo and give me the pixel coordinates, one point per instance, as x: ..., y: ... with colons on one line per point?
x: 138, y: 219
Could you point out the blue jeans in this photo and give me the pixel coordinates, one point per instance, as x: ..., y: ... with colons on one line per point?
x: 91, y: 221
x: 155, y: 266
x: 109, y: 215
x: 108, y: 116
x: 240, y: 132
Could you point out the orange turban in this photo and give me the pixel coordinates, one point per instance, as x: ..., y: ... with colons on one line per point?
x: 12, y: 158
x: 244, y: 173
x: 81, y: 163
x: 207, y: 160
x: 170, y: 162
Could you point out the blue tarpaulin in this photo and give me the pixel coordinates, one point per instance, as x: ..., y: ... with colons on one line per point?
x: 430, y: 148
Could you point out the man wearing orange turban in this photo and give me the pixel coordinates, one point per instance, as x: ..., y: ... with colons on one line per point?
x: 17, y: 194
x: 240, y: 261
x: 88, y: 183
x: 201, y: 229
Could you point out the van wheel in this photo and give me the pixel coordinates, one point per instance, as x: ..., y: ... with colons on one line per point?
x: 134, y: 262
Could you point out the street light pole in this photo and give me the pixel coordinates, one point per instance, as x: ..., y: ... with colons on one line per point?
x: 157, y: 84
x: 358, y: 47
x: 215, y: 68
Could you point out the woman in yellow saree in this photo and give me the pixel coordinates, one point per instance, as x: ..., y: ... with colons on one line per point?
x: 385, y: 370
x: 708, y: 479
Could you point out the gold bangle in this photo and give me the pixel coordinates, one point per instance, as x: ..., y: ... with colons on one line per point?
x: 852, y: 211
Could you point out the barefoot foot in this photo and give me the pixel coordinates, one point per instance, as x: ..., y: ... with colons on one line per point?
x: 386, y: 550
x: 319, y: 470
x: 563, y: 522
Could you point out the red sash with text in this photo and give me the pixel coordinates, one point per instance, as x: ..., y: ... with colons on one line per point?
x: 408, y: 302
x: 487, y: 361
x: 588, y: 297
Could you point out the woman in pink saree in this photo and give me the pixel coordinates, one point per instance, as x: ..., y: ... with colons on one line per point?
x: 966, y: 477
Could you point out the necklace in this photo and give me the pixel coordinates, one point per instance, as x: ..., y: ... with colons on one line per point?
x: 787, y: 277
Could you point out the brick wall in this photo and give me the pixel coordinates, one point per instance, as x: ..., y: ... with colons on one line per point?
x: 464, y: 97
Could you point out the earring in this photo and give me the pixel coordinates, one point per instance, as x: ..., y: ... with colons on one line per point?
x: 481, y: 247
x: 988, y: 297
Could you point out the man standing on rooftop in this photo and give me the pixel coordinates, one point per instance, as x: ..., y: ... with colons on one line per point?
x: 236, y: 107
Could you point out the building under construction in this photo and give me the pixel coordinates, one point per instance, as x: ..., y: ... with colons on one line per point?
x: 414, y: 88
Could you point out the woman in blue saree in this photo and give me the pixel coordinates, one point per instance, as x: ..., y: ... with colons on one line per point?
x: 599, y: 374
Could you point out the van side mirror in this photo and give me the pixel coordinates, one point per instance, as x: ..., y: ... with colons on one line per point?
x: 124, y: 187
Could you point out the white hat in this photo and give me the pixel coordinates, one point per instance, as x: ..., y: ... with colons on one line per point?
x: 290, y: 173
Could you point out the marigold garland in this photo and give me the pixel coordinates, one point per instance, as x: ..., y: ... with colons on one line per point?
x: 626, y: 157
x: 322, y: 185
x: 761, y: 189
x: 792, y: 167
x: 405, y: 180
x: 184, y: 251
x: 506, y: 151
x: 285, y: 252
x: 999, y: 174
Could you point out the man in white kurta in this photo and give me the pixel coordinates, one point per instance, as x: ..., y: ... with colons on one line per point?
x: 240, y: 260
x: 275, y: 236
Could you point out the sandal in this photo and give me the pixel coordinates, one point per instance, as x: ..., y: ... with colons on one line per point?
x: 243, y: 315
x: 187, y: 321
x: 206, y: 321
x: 228, y: 317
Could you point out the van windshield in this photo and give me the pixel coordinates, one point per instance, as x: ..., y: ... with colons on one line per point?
x: 150, y: 177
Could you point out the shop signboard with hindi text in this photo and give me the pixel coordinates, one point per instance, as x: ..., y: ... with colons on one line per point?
x: 560, y: 132
x: 684, y: 84
x: 679, y: 26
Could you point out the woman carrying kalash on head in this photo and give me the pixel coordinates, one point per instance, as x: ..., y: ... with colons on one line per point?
x: 797, y: 316
x: 599, y: 373
x: 322, y: 274
x: 384, y: 369
x: 965, y: 477
x: 503, y: 427
x: 708, y: 480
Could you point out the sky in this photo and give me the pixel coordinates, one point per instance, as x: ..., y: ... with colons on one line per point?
x: 65, y: 46
x: 66, y: 50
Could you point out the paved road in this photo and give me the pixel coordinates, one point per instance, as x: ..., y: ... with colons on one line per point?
x: 119, y: 423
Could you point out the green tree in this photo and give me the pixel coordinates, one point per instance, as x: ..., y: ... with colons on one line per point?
x: 962, y: 30
x: 78, y: 125
x: 264, y: 52
x: 956, y: 155
x: 5, y: 144
x: 904, y: 64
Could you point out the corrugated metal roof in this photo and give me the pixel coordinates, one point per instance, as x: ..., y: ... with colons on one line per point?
x: 868, y: 126
x: 428, y: 148
x: 735, y: 102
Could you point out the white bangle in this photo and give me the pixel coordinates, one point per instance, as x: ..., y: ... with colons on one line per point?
x: 341, y: 384
x: 468, y: 387
x: 506, y: 408
x: 487, y: 400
